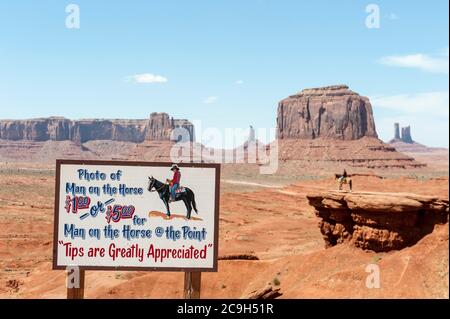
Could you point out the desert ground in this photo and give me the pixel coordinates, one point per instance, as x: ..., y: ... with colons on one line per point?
x: 264, y: 216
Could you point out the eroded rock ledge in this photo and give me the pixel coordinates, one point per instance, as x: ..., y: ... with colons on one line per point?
x: 377, y: 221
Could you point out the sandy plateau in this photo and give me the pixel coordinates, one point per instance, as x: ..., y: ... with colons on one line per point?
x: 267, y: 217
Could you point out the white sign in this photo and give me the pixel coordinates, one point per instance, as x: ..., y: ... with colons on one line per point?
x: 122, y: 215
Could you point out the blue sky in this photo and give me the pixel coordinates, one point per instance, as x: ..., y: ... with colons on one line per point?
x: 225, y: 63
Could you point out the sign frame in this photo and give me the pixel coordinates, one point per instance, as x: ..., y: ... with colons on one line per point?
x: 60, y: 162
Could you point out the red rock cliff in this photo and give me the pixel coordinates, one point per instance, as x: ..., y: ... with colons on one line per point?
x: 377, y: 221
x: 331, y: 112
x: 158, y: 127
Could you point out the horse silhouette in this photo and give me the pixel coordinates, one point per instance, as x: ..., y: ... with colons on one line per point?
x: 344, y: 180
x: 187, y: 196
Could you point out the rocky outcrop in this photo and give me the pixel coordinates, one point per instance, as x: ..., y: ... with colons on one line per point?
x: 182, y: 130
x: 161, y: 127
x: 268, y: 292
x: 396, y: 131
x: 332, y: 112
x: 405, y: 136
x: 377, y: 221
x: 158, y: 127
x: 238, y: 257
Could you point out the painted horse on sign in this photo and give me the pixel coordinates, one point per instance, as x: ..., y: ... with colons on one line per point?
x: 187, y: 196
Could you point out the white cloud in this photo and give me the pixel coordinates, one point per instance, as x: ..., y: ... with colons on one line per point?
x: 239, y: 82
x: 210, y: 100
x: 146, y: 78
x: 424, y: 62
x: 429, y: 103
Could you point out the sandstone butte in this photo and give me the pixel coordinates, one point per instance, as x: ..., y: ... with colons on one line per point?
x: 332, y: 112
x: 333, y: 125
x: 377, y: 221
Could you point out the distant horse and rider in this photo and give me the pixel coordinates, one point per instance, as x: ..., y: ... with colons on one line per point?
x: 344, y: 178
x: 171, y: 191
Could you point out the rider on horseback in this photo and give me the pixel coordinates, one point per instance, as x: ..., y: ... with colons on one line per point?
x: 345, y: 179
x: 174, y: 183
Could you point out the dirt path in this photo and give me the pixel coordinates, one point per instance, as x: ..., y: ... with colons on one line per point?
x: 237, y: 182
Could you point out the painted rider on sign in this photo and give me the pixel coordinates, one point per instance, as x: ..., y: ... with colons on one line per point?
x: 172, y: 191
x: 174, y: 183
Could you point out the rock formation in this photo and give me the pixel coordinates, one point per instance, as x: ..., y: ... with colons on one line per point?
x: 377, y: 221
x: 268, y: 292
x: 54, y: 128
x: 238, y: 257
x: 405, y: 136
x: 158, y: 127
x: 397, y: 131
x: 251, y: 135
x: 333, y: 125
x: 333, y: 112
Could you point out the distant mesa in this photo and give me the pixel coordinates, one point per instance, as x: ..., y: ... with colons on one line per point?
x: 47, y: 139
x: 159, y: 127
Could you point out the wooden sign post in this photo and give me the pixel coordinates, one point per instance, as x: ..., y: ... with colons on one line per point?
x: 192, y: 285
x: 115, y: 215
x: 75, y: 291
